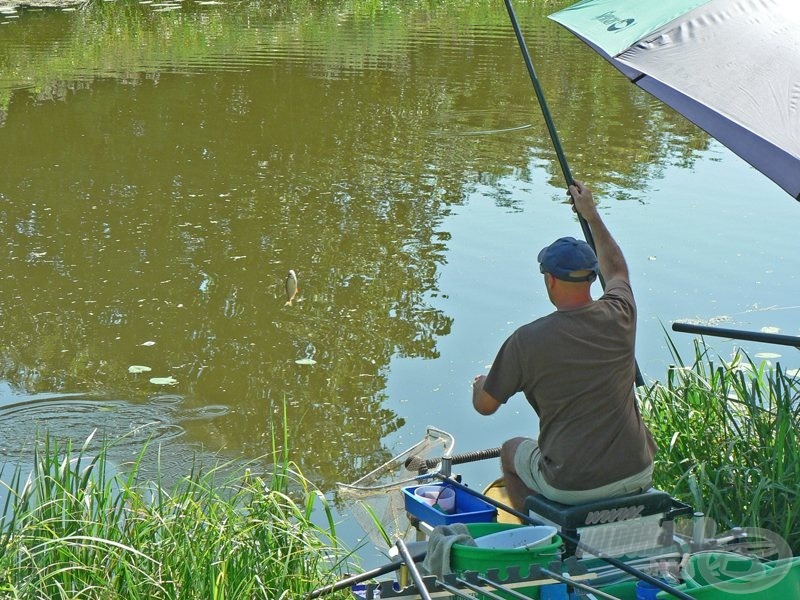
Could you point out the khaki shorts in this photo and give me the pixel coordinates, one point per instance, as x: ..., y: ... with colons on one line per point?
x: 527, y: 465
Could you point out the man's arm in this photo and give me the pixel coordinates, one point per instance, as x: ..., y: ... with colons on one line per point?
x: 482, y: 400
x: 609, y: 255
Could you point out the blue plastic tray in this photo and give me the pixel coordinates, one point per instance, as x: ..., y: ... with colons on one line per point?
x: 469, y: 509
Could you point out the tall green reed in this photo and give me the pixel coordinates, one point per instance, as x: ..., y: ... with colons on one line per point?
x: 73, y: 529
x: 728, y: 434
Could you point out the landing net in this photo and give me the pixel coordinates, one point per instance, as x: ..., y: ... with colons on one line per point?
x: 376, y: 499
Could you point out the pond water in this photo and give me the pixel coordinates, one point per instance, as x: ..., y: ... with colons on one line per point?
x: 163, y: 166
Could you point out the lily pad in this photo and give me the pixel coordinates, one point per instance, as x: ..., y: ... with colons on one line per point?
x: 305, y: 361
x: 138, y: 369
x: 163, y: 381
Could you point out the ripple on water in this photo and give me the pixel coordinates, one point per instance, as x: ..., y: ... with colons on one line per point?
x: 126, y: 425
x: 135, y: 434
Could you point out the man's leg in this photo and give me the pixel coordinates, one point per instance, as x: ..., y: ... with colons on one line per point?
x: 515, y: 487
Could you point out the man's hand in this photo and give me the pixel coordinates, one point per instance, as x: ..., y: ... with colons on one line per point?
x: 612, y: 263
x: 482, y: 401
x: 582, y: 200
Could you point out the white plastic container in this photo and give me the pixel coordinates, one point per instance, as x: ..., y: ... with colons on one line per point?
x: 444, y: 496
x: 519, y: 537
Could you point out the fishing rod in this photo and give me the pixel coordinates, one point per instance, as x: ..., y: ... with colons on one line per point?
x: 662, y: 585
x: 412, y: 569
x: 750, y: 336
x: 365, y: 576
x: 548, y: 119
x: 551, y: 128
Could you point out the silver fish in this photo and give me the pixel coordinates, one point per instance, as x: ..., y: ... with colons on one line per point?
x: 291, y: 287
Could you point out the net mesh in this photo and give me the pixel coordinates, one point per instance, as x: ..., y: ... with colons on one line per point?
x: 376, y: 499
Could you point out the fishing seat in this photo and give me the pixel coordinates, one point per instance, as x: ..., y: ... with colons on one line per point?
x: 658, y: 505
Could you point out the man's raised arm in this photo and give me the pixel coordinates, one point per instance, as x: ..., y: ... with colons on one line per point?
x: 609, y: 254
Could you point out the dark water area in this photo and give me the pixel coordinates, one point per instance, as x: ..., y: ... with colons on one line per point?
x: 164, y: 166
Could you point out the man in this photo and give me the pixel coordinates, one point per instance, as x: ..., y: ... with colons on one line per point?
x: 576, y: 367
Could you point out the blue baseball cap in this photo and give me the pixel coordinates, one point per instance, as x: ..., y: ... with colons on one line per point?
x: 567, y: 255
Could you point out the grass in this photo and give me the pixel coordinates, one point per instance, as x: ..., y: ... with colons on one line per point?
x: 728, y: 438
x: 71, y: 529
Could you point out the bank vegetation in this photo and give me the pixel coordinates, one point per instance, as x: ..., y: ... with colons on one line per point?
x: 73, y: 529
x: 728, y: 440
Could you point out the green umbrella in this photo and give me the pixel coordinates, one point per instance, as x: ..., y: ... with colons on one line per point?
x: 732, y: 67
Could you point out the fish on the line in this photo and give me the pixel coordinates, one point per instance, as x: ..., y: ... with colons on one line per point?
x: 291, y: 287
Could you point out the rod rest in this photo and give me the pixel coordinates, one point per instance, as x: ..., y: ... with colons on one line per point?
x: 607, y: 510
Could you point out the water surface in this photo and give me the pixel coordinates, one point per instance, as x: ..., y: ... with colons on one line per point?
x: 163, y: 170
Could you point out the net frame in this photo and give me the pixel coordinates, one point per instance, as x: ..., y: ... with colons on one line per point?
x: 376, y: 499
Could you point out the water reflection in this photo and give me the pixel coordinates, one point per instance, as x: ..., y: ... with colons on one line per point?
x: 158, y: 192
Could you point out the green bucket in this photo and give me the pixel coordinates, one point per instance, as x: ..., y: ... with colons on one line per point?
x: 469, y: 558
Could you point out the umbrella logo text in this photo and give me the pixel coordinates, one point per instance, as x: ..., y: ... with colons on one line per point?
x: 613, y: 22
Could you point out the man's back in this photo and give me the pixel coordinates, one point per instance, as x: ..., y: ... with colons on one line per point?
x: 578, y: 370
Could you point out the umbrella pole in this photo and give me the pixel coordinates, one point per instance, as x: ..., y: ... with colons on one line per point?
x: 551, y: 128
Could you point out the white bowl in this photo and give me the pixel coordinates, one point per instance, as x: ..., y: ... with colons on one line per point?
x: 517, y: 537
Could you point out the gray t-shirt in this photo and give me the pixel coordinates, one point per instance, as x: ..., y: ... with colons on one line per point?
x: 577, y: 370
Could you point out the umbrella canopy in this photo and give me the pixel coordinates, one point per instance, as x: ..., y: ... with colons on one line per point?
x: 732, y: 67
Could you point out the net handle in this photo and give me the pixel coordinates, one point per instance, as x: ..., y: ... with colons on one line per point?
x: 414, y: 463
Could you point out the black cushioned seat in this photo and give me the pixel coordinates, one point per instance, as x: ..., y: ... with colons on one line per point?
x: 608, y: 510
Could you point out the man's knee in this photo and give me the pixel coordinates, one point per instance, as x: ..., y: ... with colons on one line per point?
x: 507, y: 453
